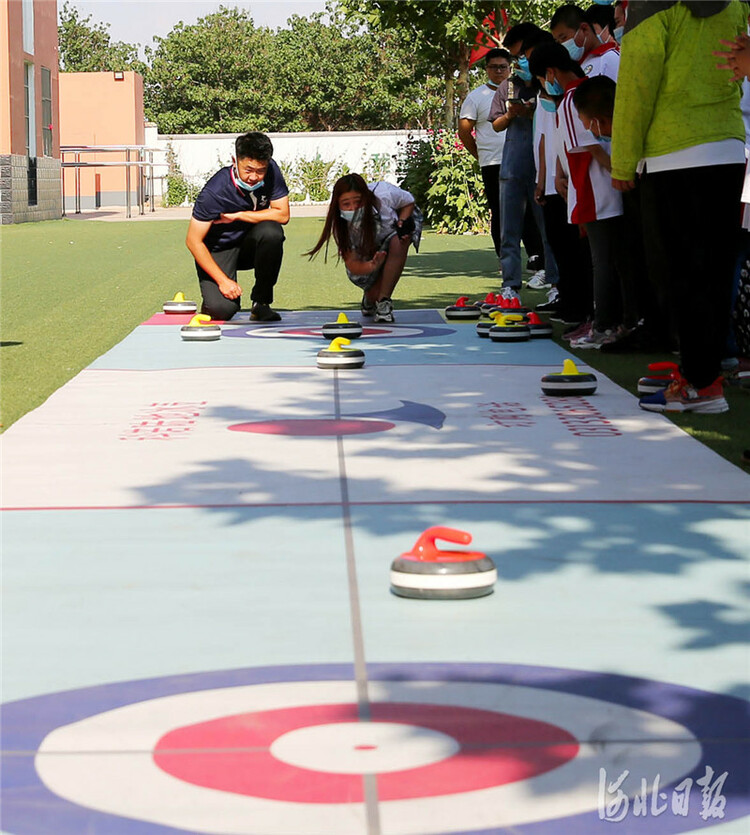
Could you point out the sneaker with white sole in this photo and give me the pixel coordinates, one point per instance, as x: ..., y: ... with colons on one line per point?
x: 367, y: 307
x: 595, y: 338
x: 538, y: 281
x: 384, y: 311
x: 681, y: 396
x: 509, y: 293
x: 577, y: 332
x: 552, y: 303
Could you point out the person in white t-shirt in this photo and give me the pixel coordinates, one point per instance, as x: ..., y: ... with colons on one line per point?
x: 479, y: 137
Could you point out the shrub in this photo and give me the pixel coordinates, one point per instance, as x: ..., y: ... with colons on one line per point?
x: 446, y: 183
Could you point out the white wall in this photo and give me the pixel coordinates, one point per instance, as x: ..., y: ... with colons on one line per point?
x: 201, y: 155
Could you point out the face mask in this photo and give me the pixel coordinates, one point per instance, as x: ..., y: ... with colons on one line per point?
x: 603, y: 2
x: 523, y: 71
x: 575, y: 52
x: 618, y: 33
x: 554, y: 88
x: 243, y: 185
x: 548, y: 105
x: 349, y: 216
x: 599, y: 135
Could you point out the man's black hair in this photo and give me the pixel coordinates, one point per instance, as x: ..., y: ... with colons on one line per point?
x: 553, y: 55
x: 568, y: 14
x: 253, y: 145
x: 601, y: 15
x: 497, y: 52
x: 520, y: 32
x: 596, y: 97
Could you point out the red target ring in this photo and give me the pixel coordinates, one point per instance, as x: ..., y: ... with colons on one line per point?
x: 233, y: 754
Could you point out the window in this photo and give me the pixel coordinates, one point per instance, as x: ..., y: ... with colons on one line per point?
x: 28, y: 109
x: 46, y: 112
x: 28, y: 26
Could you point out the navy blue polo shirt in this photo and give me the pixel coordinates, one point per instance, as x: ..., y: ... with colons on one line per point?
x: 221, y: 196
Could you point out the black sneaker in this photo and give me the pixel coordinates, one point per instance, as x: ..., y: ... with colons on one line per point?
x: 367, y: 307
x: 263, y: 313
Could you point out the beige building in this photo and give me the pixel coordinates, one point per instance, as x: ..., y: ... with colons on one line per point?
x: 29, y: 108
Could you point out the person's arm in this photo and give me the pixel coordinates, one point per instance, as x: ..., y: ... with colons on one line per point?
x: 561, y: 180
x: 638, y: 83
x: 465, y: 127
x: 278, y: 211
x: 513, y: 112
x: 358, y: 267
x: 541, y: 174
x: 195, y: 242
x: 600, y: 155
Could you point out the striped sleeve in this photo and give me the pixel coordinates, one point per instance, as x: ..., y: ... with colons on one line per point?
x: 576, y: 137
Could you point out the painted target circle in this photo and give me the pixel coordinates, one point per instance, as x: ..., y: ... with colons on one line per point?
x: 316, y: 333
x: 134, y: 757
x: 313, y: 427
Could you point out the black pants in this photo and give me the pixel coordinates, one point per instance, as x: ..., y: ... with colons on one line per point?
x: 261, y: 249
x: 573, y: 257
x: 491, y: 180
x: 699, y: 220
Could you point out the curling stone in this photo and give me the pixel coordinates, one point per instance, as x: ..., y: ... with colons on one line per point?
x: 428, y: 573
x: 509, y: 329
x: 570, y: 382
x: 511, y: 306
x: 342, y: 327
x: 537, y: 328
x: 490, y: 301
x: 654, y: 382
x: 483, y: 328
x: 338, y: 356
x: 200, y: 329
x: 179, y: 305
x: 461, y: 310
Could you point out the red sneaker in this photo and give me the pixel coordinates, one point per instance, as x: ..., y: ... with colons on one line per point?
x: 681, y: 396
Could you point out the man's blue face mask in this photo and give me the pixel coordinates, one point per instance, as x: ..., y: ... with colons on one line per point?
x: 548, y: 105
x: 554, y: 88
x: 522, y: 69
x: 240, y: 184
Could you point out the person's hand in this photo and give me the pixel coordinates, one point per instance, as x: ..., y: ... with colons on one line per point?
x: 378, y: 259
x: 539, y: 194
x: 515, y: 110
x: 404, y: 227
x: 736, y: 58
x: 228, y: 218
x: 229, y: 289
x: 623, y: 185
x: 561, y: 187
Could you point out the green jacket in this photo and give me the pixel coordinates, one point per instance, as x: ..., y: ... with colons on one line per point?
x: 670, y: 96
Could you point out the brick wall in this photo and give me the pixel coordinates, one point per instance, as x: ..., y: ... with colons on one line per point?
x: 14, y: 189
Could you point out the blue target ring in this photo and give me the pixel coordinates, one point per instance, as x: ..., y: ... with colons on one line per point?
x: 719, y: 722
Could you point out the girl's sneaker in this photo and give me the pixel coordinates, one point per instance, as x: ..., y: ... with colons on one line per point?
x: 384, y: 311
x: 577, y: 332
x: 367, y: 307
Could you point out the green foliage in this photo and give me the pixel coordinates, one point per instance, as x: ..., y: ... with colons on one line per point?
x: 179, y: 190
x: 85, y: 46
x: 414, y: 168
x: 314, y: 174
x: 446, y: 182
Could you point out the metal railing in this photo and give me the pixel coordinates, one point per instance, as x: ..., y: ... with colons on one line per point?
x: 144, y: 163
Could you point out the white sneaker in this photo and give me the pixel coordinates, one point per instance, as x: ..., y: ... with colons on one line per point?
x: 384, y: 311
x: 509, y: 293
x: 538, y: 281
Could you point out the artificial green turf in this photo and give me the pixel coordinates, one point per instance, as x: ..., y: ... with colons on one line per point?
x: 72, y: 289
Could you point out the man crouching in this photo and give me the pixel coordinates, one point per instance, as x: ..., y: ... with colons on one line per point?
x: 236, y: 225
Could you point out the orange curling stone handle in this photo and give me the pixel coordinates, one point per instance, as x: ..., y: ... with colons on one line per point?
x: 425, y: 549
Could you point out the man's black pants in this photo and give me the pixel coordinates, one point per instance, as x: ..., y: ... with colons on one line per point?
x: 261, y: 249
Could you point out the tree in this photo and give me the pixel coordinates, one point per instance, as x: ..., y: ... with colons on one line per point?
x: 443, y: 31
x: 87, y: 47
x: 209, y: 76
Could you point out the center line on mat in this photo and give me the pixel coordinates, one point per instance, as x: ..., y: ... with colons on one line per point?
x: 360, y: 668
